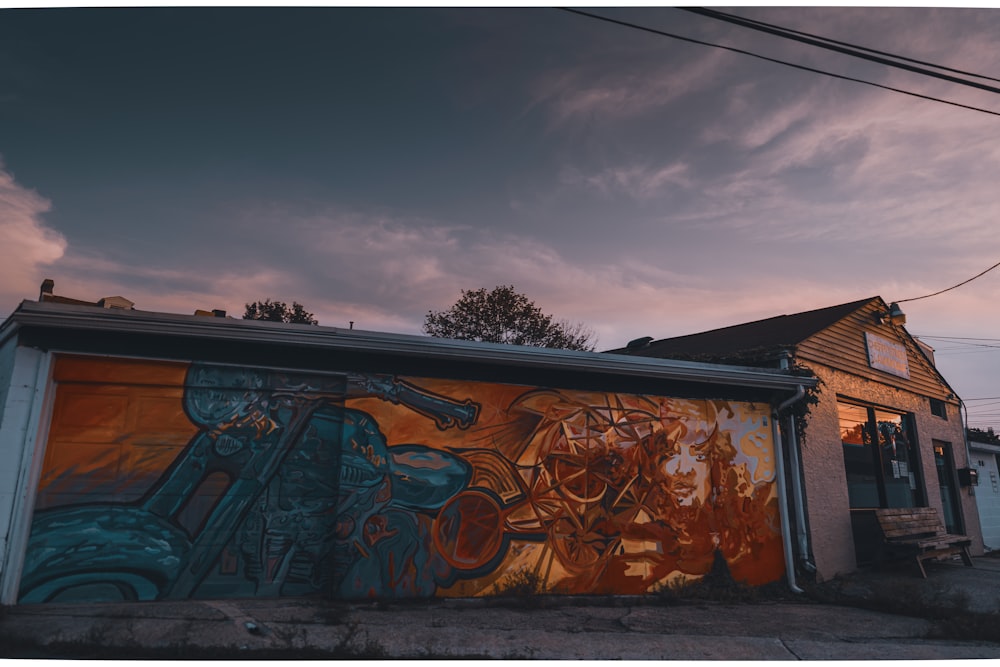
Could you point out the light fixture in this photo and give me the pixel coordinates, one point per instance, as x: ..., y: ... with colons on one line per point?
x: 895, y: 315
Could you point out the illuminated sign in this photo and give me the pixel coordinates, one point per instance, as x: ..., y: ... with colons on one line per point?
x: 887, y: 356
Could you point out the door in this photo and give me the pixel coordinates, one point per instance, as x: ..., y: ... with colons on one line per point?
x: 945, y: 465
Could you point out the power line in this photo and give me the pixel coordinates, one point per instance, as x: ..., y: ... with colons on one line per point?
x: 996, y: 340
x: 865, y: 48
x: 814, y: 70
x: 960, y: 344
x: 964, y: 282
x: 843, y: 47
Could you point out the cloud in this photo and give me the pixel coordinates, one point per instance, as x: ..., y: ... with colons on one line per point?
x: 836, y: 163
x: 636, y: 181
x: 586, y: 94
x: 27, y: 244
x: 385, y: 274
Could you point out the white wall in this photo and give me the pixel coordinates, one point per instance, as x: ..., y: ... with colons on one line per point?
x: 988, y: 492
x: 24, y: 375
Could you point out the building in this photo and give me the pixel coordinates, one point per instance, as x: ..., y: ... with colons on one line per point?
x: 148, y: 456
x: 885, y: 429
x: 986, y: 461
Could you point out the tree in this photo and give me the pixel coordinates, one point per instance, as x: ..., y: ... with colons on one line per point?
x: 983, y: 435
x: 278, y: 311
x: 505, y: 316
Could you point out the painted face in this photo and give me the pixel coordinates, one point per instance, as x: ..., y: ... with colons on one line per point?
x: 217, y: 395
x: 689, y: 472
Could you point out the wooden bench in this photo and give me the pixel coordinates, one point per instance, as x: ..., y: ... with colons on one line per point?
x: 917, y: 532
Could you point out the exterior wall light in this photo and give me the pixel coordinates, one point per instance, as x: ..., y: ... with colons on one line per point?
x: 895, y: 315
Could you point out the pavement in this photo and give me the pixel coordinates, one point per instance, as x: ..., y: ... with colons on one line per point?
x: 777, y: 627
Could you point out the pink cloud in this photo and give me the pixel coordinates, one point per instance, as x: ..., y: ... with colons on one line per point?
x: 27, y: 245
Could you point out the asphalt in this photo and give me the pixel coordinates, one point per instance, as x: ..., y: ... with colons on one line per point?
x: 827, y: 623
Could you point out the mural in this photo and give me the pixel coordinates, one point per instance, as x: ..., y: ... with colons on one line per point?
x: 165, y: 481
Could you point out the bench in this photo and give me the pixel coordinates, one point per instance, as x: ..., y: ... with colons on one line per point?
x: 917, y: 532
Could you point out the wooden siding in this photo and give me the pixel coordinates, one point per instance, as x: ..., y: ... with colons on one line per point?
x: 842, y: 346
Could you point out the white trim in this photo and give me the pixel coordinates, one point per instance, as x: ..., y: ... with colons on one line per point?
x: 984, y: 447
x: 23, y: 435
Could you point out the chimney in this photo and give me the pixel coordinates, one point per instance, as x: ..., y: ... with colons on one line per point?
x: 215, y: 312
x: 47, y: 286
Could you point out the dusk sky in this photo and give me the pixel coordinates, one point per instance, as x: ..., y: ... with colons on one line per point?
x: 371, y: 163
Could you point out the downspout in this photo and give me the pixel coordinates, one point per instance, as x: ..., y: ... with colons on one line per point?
x: 786, y: 538
x: 968, y: 452
x: 798, y: 497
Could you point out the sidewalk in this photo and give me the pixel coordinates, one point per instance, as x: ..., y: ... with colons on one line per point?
x: 796, y: 628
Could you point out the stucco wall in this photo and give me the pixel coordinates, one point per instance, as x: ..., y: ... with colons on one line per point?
x: 823, y: 461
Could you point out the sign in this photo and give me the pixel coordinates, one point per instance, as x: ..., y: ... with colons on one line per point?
x: 886, y: 355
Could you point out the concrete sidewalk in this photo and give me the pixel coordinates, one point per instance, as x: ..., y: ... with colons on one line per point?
x: 550, y: 628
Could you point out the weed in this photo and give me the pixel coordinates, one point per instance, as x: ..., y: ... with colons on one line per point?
x: 525, y: 588
x: 718, y: 585
x: 521, y: 583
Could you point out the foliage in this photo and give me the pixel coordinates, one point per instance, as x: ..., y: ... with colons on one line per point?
x: 981, y: 435
x: 801, y: 409
x: 278, y: 311
x: 505, y: 316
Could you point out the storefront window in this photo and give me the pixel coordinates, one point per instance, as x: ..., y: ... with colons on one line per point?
x: 882, y: 474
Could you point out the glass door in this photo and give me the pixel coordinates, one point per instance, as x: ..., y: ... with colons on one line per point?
x: 897, y: 460
x: 945, y: 465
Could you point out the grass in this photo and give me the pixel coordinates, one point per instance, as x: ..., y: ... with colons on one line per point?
x: 948, y: 610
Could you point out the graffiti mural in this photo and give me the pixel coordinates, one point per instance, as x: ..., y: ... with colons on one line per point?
x: 166, y: 481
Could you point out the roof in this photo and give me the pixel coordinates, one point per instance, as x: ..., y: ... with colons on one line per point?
x: 54, y: 298
x: 180, y: 334
x: 758, y: 340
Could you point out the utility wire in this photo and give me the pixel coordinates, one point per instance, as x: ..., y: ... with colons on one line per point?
x: 964, y: 282
x: 662, y: 33
x: 841, y: 47
x: 861, y: 48
x: 995, y: 340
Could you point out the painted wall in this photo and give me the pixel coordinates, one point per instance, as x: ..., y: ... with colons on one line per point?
x: 166, y: 480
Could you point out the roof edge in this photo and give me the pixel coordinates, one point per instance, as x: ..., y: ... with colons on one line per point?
x: 90, y: 318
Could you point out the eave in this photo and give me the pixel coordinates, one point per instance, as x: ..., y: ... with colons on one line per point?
x: 35, y: 316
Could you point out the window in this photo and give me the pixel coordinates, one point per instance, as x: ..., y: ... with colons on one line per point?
x: 879, y: 457
x: 938, y: 408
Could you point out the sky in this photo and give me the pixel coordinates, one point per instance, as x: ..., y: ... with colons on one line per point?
x: 371, y: 163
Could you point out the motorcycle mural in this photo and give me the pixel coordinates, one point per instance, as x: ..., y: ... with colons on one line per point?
x: 243, y: 482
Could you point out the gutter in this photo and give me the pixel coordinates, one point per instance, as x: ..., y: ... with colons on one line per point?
x: 798, y: 496
x: 31, y: 314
